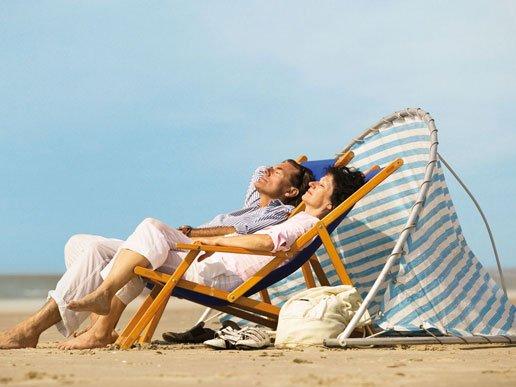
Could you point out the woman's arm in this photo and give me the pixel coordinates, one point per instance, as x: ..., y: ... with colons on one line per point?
x: 260, y: 242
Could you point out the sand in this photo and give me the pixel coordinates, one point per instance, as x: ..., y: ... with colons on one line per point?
x: 460, y: 365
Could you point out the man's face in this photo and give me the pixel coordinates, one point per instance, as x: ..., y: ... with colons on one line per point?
x: 276, y: 181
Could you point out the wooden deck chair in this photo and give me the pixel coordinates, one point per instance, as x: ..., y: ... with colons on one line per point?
x: 318, y: 168
x: 237, y: 302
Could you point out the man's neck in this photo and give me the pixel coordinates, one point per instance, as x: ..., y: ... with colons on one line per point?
x: 264, y: 200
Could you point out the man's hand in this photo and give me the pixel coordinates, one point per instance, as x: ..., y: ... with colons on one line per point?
x: 185, y: 229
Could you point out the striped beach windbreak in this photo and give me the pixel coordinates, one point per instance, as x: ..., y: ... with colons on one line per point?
x: 436, y: 282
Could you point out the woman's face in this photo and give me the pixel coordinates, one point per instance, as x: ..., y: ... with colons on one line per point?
x: 318, y: 195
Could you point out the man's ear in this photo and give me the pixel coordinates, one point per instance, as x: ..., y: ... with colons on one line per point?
x: 292, y: 192
x: 329, y: 207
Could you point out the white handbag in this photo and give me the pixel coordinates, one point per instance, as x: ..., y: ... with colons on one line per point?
x: 316, y: 314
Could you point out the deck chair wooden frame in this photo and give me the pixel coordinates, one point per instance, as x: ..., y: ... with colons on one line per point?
x: 341, y: 161
x: 237, y: 302
x: 313, y: 266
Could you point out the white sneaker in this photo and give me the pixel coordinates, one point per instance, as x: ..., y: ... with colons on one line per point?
x: 225, y: 338
x: 253, y: 338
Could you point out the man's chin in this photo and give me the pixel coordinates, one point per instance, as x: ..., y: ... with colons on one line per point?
x: 259, y: 185
x: 270, y: 194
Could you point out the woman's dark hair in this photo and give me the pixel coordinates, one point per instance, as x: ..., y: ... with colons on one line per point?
x: 345, y: 182
x: 300, y: 180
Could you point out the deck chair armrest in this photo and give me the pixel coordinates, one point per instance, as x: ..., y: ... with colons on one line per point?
x: 223, y: 249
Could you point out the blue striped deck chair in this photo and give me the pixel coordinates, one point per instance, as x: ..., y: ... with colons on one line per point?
x: 238, y: 302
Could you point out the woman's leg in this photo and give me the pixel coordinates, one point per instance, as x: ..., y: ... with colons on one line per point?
x: 102, y: 330
x: 101, y: 333
x: 149, y: 245
x: 99, y: 301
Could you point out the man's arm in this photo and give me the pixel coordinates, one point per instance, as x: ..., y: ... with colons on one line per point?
x: 252, y: 196
x: 211, y: 231
x: 269, y: 217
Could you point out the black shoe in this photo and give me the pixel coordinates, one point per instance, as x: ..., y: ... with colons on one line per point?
x: 195, y: 335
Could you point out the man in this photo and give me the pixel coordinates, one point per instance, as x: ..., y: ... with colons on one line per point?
x: 270, y: 197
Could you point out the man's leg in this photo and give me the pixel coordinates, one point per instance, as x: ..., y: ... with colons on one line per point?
x: 26, y: 334
x: 93, y: 253
x: 81, y: 247
x: 85, y: 257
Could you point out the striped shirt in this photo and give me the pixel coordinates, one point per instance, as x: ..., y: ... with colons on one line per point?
x: 252, y: 217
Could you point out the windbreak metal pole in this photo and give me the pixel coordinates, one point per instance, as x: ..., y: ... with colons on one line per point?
x: 411, y: 223
x: 502, y: 280
x: 389, y: 341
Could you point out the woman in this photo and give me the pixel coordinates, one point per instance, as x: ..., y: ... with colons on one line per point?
x: 153, y: 244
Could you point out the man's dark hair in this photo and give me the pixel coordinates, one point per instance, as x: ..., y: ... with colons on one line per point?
x: 345, y: 182
x: 300, y: 180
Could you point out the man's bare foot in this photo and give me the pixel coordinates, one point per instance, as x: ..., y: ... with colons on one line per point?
x: 89, y: 339
x: 18, y: 337
x: 98, y: 302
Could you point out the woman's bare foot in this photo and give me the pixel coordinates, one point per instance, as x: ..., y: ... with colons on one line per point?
x: 89, y: 339
x: 93, y: 318
x: 18, y: 337
x: 79, y: 332
x: 98, y: 302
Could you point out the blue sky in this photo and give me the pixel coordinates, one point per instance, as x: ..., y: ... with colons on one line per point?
x: 112, y: 111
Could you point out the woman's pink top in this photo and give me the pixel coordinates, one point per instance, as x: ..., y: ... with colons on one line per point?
x: 283, y: 235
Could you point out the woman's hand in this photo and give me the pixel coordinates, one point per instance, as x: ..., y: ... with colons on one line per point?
x: 202, y: 257
x: 205, y: 241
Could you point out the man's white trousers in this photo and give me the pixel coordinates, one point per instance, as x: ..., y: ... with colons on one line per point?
x: 89, y: 259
